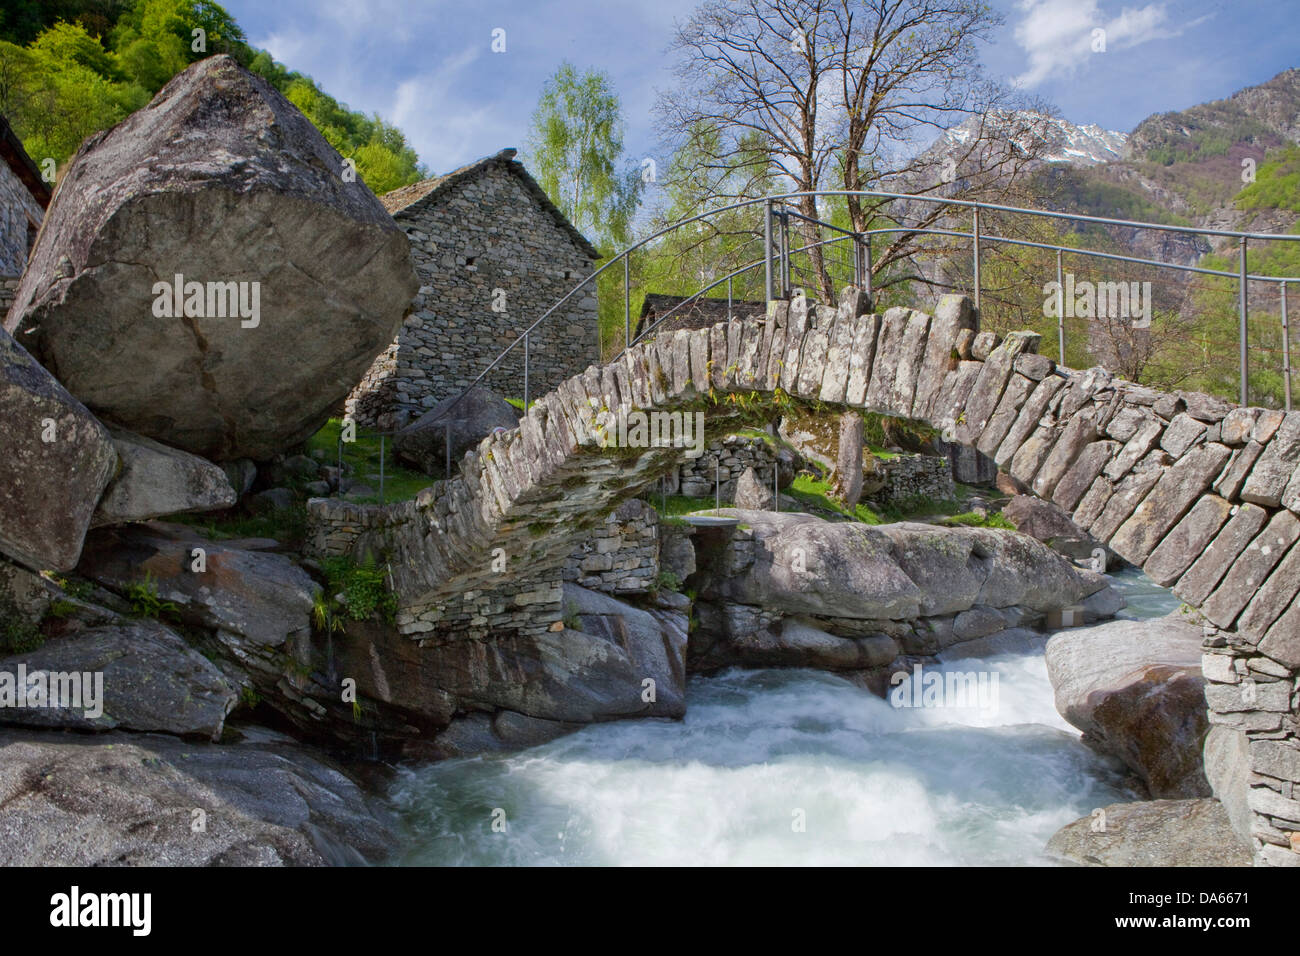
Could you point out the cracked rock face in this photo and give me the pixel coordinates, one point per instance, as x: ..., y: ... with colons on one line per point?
x: 292, y: 278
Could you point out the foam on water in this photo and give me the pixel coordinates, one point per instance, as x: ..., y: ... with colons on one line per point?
x: 758, y: 752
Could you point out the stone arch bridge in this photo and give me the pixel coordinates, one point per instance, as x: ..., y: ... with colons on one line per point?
x: 1199, y: 493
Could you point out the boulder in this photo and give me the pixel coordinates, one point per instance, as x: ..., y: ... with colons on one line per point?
x: 155, y: 481
x: 138, y: 676
x: 251, y: 284
x: 57, y: 460
x: 423, y: 442
x: 1136, y: 691
x: 751, y: 494
x: 848, y: 463
x: 1152, y: 833
x: 131, y: 799
x: 246, y: 596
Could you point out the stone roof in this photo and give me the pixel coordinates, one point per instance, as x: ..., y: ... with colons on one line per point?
x: 405, y: 197
x: 699, y: 314
x: 11, y: 149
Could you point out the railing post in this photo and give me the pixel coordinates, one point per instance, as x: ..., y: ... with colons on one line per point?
x: 1286, y: 349
x: 866, y: 271
x: 857, y: 260
x: 526, y: 360
x: 975, y: 233
x: 627, y: 301
x: 767, y: 250
x: 1060, y: 305
x: 729, y: 298
x: 1241, y: 315
x: 785, y: 254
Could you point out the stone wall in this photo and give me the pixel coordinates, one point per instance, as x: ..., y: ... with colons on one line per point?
x: 622, y: 555
x: 1256, y: 698
x: 18, y: 211
x: 8, y: 286
x: 724, y: 459
x: 482, y: 244
x: 908, y: 477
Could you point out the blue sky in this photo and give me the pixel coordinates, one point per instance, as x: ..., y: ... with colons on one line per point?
x: 428, y: 65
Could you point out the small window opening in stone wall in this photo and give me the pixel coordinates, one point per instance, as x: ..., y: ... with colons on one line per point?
x: 469, y: 260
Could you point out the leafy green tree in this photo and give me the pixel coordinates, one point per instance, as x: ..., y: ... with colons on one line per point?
x: 154, y: 39
x: 577, y: 143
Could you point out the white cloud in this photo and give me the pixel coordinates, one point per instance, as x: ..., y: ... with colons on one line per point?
x: 1058, y: 35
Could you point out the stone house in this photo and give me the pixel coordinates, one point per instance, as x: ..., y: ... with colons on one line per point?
x: 24, y: 197
x: 492, y: 253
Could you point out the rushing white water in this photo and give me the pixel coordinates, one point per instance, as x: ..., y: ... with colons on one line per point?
x: 792, y: 767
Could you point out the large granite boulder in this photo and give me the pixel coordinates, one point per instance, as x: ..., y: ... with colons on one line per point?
x: 1152, y: 833
x: 56, y: 462
x: 423, y: 443
x: 154, y: 481
x: 291, y: 278
x: 137, y: 675
x: 1136, y: 691
x: 152, y: 800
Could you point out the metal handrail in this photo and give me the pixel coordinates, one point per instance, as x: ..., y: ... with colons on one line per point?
x: 863, y: 240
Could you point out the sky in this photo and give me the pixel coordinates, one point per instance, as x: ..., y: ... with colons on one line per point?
x: 429, y: 65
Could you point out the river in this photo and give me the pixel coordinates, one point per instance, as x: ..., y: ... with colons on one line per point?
x: 792, y: 767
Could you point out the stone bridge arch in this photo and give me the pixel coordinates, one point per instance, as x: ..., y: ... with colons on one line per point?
x: 1199, y: 493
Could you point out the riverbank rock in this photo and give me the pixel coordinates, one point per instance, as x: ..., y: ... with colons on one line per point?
x: 138, y: 675
x: 1152, y: 833
x: 1049, y: 524
x: 423, y: 443
x: 56, y: 463
x: 134, y: 799
x: 752, y: 494
x: 155, y: 481
x: 1136, y: 691
x: 291, y: 279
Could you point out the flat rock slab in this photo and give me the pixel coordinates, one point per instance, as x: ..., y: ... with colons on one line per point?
x: 155, y: 481
x: 291, y: 279
x: 56, y: 462
x: 129, y: 799
x: 133, y: 676
x: 1153, y: 833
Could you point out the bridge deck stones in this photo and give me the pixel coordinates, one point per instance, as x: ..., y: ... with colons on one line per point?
x: 1238, y: 425
x: 1135, y: 449
x: 983, y: 344
x: 865, y: 330
x: 1126, y: 421
x: 790, y: 362
x: 1076, y: 481
x: 1271, y: 475
x: 659, y: 361
x: 1209, y: 568
x: 1251, y: 569
x: 911, y: 353
x: 1171, y: 498
x: 1282, y: 642
x: 893, y: 326
x: 992, y: 381
x: 699, y: 346
x: 1090, y: 507
x: 812, y: 364
x: 835, y: 381
x: 775, y: 359
x: 1123, y: 501
x: 1030, y: 417
x: 1229, y: 484
x: 1031, y: 455
x: 681, y: 363
x: 747, y: 362
x: 953, y: 314
x: 1004, y: 417
x: 1267, y: 423
x: 1188, y: 540
x: 718, y: 357
x: 1272, y: 599
x: 735, y: 332
x: 1183, y: 432
x: 1084, y: 388
x: 1078, y: 433
x: 951, y: 403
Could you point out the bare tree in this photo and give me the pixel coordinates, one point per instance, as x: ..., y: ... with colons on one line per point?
x: 842, y: 94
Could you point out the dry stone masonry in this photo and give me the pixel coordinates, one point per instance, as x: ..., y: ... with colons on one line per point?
x: 491, y: 252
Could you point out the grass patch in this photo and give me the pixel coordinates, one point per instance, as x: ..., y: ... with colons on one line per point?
x: 970, y: 519
x: 354, y: 592
x: 816, y: 495
x: 363, y: 457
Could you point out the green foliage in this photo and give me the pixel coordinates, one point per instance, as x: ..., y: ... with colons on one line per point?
x: 249, y: 697
x: 577, y: 142
x: 571, y: 619
x: 667, y: 581
x: 363, y: 456
x: 357, y: 591
x: 59, y: 608
x: 971, y: 519
x: 145, y: 602
x: 17, y: 636
x: 1277, y: 182
x: 70, y: 69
